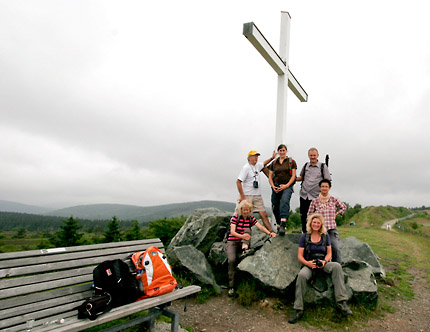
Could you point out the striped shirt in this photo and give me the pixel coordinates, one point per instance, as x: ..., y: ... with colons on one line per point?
x: 241, y: 224
x: 328, y: 210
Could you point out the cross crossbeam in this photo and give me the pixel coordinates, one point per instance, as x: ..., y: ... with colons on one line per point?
x: 279, y: 63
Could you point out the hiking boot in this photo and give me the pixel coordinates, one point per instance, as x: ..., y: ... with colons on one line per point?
x: 231, y: 292
x: 343, y: 308
x: 246, y: 252
x: 282, y: 229
x: 297, y: 314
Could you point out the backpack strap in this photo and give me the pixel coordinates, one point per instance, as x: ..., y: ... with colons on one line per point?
x: 304, y: 171
x: 290, y: 164
x: 308, y: 244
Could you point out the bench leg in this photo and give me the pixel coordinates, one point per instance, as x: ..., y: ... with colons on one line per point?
x: 175, y: 319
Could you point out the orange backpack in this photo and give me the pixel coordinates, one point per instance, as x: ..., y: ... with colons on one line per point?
x: 154, y: 273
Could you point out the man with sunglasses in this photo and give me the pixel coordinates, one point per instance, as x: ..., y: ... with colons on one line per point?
x: 248, y: 185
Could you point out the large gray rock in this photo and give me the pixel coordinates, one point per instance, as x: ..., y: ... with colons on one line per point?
x: 202, y: 229
x: 217, y: 255
x: 275, y: 264
x: 362, y: 282
x: 192, y: 260
x: 352, y: 250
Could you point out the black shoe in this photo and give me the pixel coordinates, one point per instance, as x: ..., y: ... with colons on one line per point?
x: 297, y: 314
x: 246, y: 252
x: 343, y: 308
x: 282, y: 229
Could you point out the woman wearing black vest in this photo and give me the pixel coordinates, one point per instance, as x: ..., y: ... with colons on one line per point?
x: 315, y: 253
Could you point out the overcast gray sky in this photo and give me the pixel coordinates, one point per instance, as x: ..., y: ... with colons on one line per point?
x: 156, y: 102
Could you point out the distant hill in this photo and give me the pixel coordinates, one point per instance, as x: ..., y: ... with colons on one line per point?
x: 7, y: 206
x: 377, y: 215
x: 140, y: 213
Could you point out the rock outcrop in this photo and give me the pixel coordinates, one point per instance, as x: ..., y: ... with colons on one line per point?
x: 198, y: 248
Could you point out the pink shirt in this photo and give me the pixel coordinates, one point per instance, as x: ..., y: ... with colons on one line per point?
x: 329, y: 210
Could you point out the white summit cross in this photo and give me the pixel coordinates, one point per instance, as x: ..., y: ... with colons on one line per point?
x: 279, y: 62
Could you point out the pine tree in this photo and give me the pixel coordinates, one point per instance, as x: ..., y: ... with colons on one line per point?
x: 134, y: 232
x: 69, y: 235
x: 113, y: 233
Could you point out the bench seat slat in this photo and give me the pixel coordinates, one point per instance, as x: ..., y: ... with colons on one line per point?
x: 74, y: 324
x: 128, y: 309
x: 28, y: 308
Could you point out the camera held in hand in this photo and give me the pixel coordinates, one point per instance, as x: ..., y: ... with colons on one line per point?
x: 318, y: 260
x: 255, y: 184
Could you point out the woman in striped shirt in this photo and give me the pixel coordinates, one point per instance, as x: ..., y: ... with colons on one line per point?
x: 240, y: 232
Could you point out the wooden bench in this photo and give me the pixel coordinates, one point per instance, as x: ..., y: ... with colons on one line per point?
x: 40, y: 290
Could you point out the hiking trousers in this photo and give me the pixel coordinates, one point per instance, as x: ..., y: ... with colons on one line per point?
x: 304, y: 208
x: 233, y: 250
x: 305, y: 274
x: 281, y: 204
x: 334, y: 240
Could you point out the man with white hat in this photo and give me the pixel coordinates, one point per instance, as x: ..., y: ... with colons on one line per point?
x: 249, y: 186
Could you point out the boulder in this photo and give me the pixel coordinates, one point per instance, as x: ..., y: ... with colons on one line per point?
x: 189, y: 259
x: 202, y: 229
x: 352, y: 250
x: 362, y: 282
x: 217, y: 255
x: 275, y: 264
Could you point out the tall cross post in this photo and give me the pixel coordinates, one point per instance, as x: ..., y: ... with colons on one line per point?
x: 280, y: 63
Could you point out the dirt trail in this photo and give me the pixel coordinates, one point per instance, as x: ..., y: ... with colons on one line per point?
x: 388, y: 225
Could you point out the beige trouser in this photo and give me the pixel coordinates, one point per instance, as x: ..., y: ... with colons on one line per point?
x: 335, y: 269
x: 233, y: 250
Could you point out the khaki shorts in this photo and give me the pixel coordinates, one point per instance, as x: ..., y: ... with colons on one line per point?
x: 256, y: 201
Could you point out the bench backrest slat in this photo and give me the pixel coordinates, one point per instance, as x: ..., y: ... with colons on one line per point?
x: 38, y: 278
x: 47, y: 252
x: 66, y: 255
x: 64, y: 261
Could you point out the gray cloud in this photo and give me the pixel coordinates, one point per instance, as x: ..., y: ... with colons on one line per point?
x: 145, y: 104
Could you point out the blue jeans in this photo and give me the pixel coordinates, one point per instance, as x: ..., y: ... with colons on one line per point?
x: 281, y: 204
x: 334, y: 239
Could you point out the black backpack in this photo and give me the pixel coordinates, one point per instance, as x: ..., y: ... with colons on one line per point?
x: 115, y: 278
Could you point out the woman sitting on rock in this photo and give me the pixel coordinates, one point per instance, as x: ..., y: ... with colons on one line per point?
x: 315, y: 253
x: 240, y: 232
